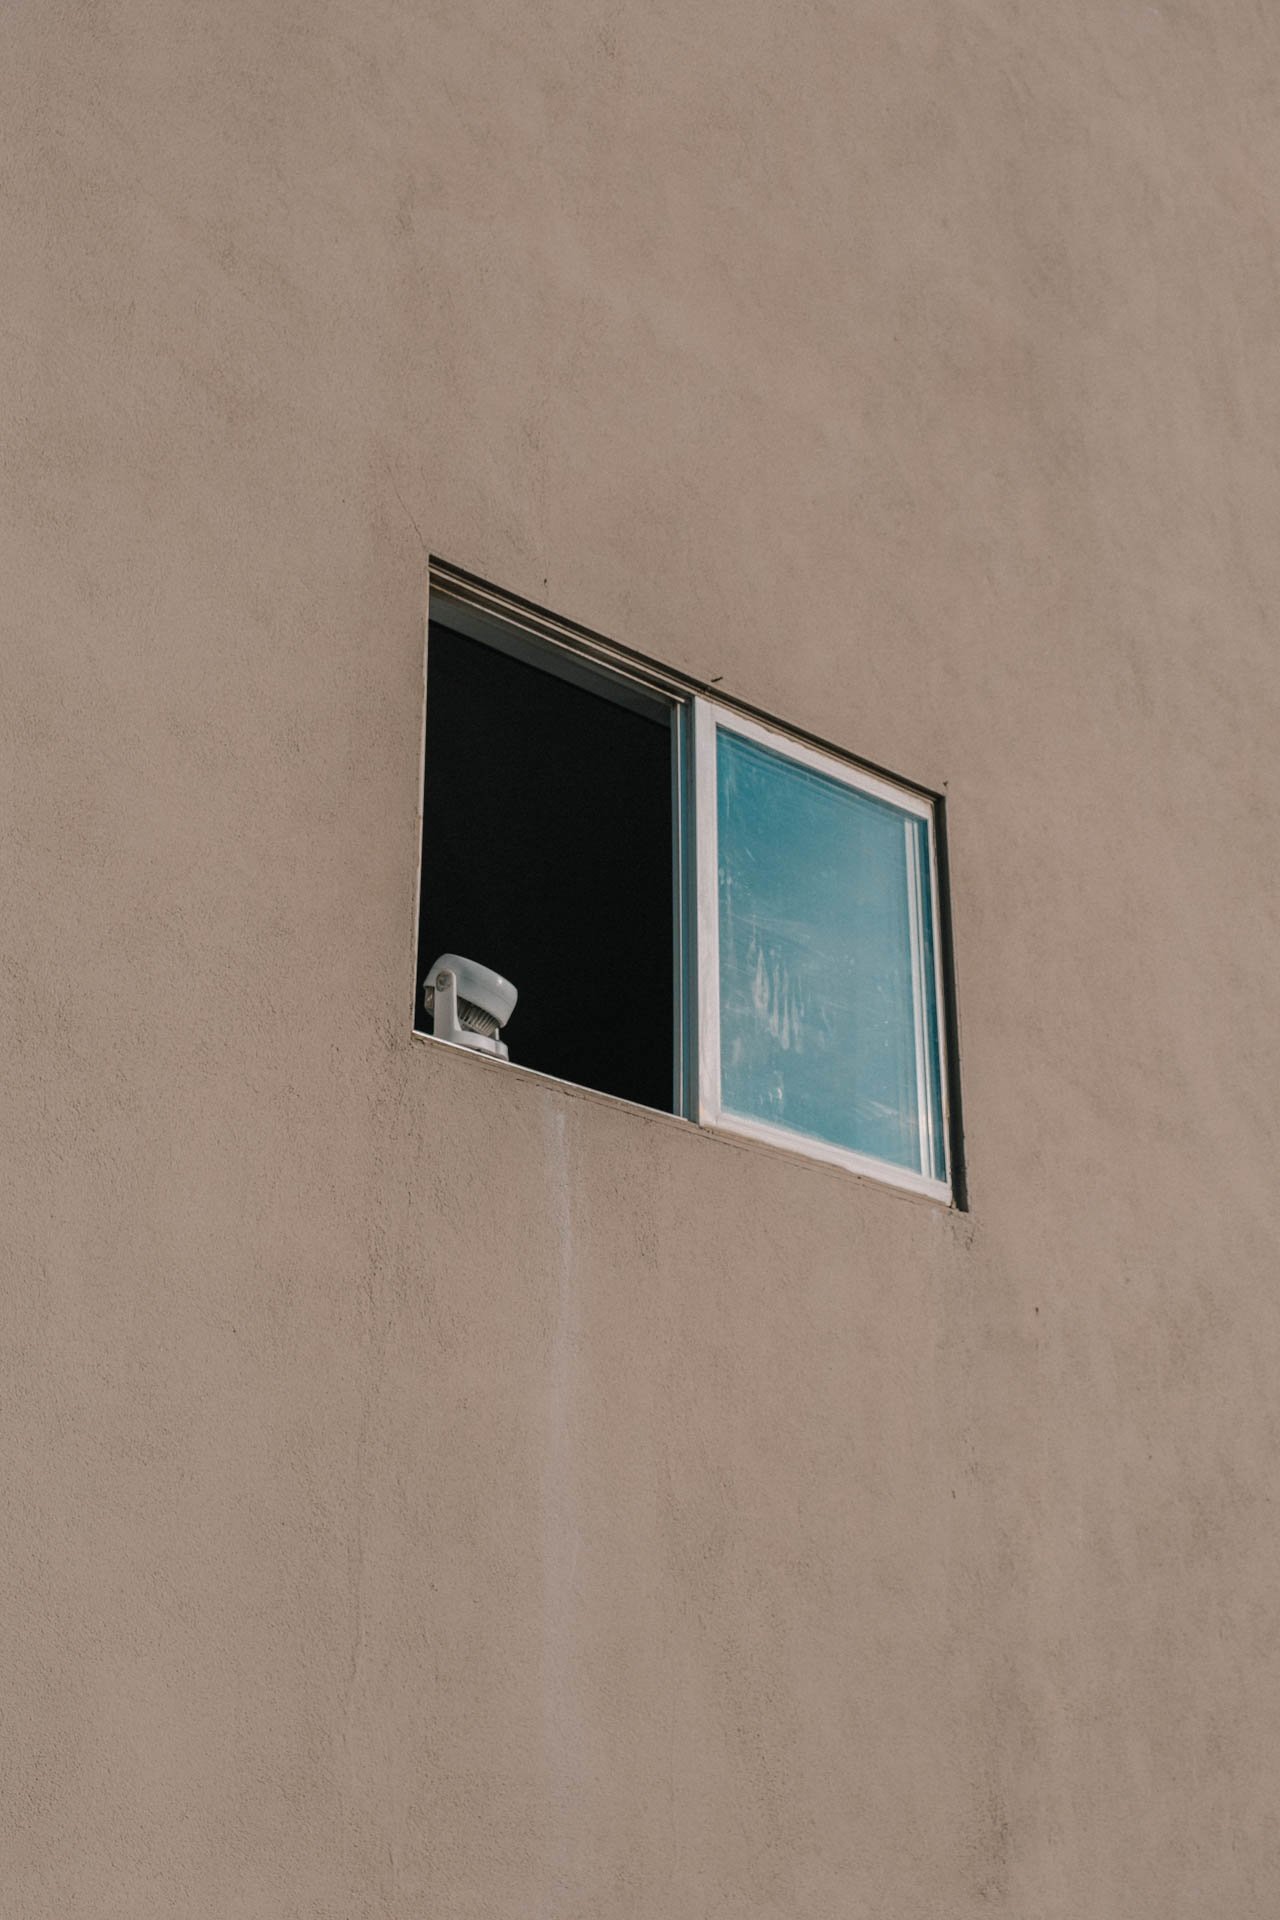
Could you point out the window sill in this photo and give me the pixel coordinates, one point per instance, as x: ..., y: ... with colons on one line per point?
x: 816, y: 1155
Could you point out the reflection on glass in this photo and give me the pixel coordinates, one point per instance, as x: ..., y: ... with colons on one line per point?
x: 828, y: 1015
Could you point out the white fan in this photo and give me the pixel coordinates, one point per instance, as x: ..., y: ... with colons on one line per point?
x: 468, y: 1004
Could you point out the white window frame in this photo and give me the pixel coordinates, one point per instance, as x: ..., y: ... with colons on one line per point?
x: 711, y: 717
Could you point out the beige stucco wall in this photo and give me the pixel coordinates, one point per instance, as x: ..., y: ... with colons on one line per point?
x: 430, y: 1492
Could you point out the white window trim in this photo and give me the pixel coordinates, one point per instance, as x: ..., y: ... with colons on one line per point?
x: 709, y: 716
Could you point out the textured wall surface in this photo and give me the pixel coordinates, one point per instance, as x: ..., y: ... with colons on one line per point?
x: 428, y: 1491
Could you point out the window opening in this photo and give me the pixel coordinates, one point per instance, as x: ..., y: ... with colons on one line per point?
x: 547, y: 857
x: 699, y: 911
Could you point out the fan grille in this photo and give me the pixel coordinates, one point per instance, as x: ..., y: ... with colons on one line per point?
x: 470, y: 1016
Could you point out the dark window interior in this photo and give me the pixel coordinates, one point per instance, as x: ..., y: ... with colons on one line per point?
x: 547, y: 854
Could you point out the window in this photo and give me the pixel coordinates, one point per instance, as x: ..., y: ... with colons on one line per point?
x: 700, y: 911
x: 818, y: 963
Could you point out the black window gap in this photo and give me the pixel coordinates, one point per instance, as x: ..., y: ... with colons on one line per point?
x: 547, y: 854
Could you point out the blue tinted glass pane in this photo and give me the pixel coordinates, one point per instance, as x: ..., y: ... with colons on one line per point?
x: 819, y: 905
